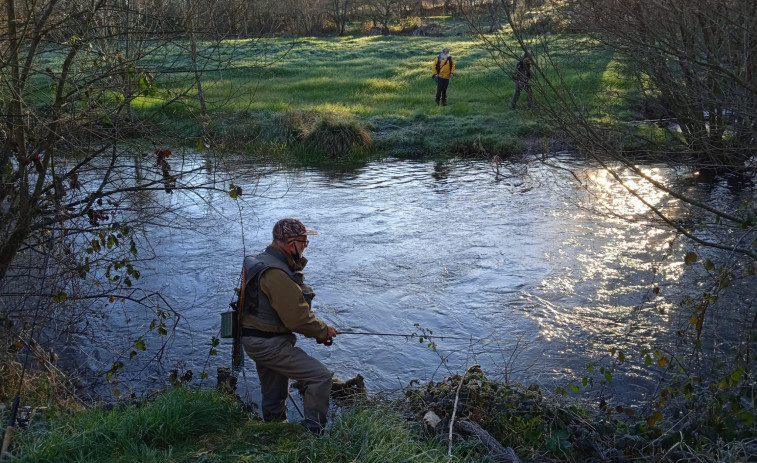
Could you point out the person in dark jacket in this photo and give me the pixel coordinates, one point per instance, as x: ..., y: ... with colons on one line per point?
x: 522, y: 77
x: 443, y: 69
x: 277, y: 305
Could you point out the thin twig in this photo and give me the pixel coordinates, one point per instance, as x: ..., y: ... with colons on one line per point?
x: 454, y: 409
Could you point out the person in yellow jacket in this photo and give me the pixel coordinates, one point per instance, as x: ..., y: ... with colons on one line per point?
x: 444, y: 70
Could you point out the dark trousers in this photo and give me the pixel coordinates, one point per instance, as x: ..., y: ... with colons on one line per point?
x: 441, y: 89
x: 524, y: 86
x: 277, y: 360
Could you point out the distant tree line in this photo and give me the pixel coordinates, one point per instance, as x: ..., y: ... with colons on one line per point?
x: 297, y: 17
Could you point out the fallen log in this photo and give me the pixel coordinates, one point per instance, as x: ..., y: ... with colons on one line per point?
x: 499, y: 451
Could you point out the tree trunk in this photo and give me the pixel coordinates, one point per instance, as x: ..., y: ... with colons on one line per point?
x: 193, y: 54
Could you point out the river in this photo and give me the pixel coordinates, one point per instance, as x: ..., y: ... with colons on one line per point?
x: 540, y: 273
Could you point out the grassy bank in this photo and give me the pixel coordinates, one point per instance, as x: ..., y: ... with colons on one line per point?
x: 381, y: 85
x: 204, y: 426
x: 189, y: 425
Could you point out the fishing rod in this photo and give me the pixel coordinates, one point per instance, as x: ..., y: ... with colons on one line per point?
x: 416, y: 335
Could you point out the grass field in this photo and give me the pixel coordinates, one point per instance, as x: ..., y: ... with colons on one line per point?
x: 381, y: 82
x: 269, y: 96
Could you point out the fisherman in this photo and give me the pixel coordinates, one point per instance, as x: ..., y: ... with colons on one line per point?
x: 444, y: 69
x: 522, y: 77
x: 277, y: 304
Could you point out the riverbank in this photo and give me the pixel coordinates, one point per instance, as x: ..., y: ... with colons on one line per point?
x: 203, y: 425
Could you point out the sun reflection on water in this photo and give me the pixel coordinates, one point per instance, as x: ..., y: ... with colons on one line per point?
x: 614, y: 194
x: 619, y: 284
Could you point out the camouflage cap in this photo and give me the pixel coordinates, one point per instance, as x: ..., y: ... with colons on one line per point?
x: 286, y: 229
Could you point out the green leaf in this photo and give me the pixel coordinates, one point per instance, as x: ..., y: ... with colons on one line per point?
x: 200, y: 145
x: 133, y: 248
x: 590, y: 368
x: 708, y: 265
x: 557, y: 441
x: 140, y: 344
x: 690, y: 258
x: 621, y: 356
x: 60, y: 297
x: 235, y: 191
x: 736, y: 375
x: 132, y: 354
x: 143, y: 84
x: 648, y: 360
x: 608, y: 376
x: 82, y: 270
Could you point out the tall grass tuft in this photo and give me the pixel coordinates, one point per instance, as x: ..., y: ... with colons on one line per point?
x: 328, y: 133
x: 44, y: 386
x: 336, y: 136
x: 129, y: 433
x: 298, y: 124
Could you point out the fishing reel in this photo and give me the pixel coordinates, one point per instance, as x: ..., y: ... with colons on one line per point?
x: 325, y: 342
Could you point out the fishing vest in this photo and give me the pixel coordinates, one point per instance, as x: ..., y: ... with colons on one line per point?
x: 256, y: 303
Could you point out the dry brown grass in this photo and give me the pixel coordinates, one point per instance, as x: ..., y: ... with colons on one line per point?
x: 43, y: 383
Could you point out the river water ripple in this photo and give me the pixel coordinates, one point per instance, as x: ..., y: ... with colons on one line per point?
x: 529, y: 260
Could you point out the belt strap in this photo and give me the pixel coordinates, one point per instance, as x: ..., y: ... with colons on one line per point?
x: 261, y: 334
